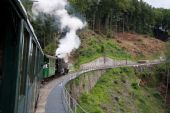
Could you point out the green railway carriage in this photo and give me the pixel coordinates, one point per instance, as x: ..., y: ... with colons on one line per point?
x: 49, y: 67
x: 21, y: 60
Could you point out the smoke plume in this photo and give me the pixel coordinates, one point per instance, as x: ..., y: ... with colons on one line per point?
x: 57, y: 8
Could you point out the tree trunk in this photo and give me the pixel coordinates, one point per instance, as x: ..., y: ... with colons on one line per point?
x: 167, y: 85
x: 94, y: 17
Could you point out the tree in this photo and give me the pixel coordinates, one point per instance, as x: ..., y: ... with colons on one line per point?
x: 167, y: 69
x: 106, y: 16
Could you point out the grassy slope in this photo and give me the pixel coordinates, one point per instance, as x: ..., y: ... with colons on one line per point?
x: 93, y: 45
x: 118, y: 92
x: 132, y: 46
x: 141, y: 46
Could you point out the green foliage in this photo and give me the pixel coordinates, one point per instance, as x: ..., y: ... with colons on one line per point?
x: 107, y: 16
x: 50, y: 48
x: 167, y: 51
x: 118, y: 91
x: 77, y: 81
x: 45, y: 29
x: 95, y: 46
x: 28, y: 5
x: 135, y: 85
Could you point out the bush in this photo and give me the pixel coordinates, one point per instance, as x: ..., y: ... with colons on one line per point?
x: 135, y: 85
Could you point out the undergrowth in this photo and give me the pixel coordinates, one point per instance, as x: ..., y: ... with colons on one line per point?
x: 94, y: 46
x: 119, y: 91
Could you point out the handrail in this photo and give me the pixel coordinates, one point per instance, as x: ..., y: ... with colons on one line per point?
x: 71, y: 105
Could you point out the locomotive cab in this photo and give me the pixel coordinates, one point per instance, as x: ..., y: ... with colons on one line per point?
x: 61, y: 67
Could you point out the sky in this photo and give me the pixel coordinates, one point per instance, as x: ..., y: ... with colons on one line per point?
x: 159, y: 3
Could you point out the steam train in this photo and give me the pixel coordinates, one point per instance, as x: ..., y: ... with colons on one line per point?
x: 54, y: 66
x: 21, y: 60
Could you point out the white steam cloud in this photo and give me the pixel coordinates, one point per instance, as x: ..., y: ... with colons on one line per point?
x: 57, y: 8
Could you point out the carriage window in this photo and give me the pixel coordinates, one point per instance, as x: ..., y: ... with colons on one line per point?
x: 37, y: 65
x: 36, y: 59
x: 32, y: 65
x: 24, y: 62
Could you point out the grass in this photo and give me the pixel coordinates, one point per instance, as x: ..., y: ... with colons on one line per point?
x: 118, y: 92
x: 94, y: 46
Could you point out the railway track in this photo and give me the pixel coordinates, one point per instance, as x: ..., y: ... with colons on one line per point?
x: 54, y: 98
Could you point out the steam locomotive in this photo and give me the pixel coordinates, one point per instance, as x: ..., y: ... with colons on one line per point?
x: 54, y: 66
x: 21, y: 61
x: 61, y: 67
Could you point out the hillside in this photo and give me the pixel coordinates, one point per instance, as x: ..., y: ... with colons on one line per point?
x: 94, y: 46
x: 125, y: 90
x: 122, y: 46
x: 141, y: 46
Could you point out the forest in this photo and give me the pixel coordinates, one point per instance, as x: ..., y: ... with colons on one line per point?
x: 107, y: 17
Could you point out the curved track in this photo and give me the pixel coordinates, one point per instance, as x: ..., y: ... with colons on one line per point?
x: 51, y: 95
